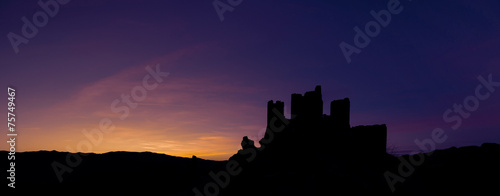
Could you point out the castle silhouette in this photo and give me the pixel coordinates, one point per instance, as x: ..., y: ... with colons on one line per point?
x: 309, y: 129
x: 311, y: 144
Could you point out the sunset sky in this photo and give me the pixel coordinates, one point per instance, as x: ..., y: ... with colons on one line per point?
x: 222, y: 73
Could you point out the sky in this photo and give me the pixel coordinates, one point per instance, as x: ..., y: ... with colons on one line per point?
x: 224, y: 63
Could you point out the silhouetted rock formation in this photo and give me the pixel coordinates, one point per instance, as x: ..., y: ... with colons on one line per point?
x: 247, y: 143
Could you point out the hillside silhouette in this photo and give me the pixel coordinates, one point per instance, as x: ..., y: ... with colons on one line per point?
x: 310, y: 153
x: 112, y: 172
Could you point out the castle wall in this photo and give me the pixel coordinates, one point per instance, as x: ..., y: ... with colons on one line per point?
x: 370, y: 139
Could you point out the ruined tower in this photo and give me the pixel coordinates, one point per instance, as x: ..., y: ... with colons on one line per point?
x: 340, y: 112
x: 274, y: 109
x: 297, y: 104
x: 309, y: 106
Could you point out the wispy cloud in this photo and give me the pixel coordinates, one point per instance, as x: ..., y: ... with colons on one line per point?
x: 200, y: 115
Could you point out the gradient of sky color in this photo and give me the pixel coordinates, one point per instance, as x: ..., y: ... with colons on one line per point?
x: 223, y: 73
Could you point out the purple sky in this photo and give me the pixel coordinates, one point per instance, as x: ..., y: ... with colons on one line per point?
x: 222, y: 73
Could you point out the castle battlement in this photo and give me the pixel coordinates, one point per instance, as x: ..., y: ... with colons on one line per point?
x: 326, y: 132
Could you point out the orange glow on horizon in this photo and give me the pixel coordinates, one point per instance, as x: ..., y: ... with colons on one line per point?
x: 181, y: 117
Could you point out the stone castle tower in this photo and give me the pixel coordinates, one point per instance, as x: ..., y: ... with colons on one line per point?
x: 309, y: 129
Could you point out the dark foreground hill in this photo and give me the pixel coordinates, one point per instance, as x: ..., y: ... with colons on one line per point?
x: 113, y: 172
x: 470, y: 170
